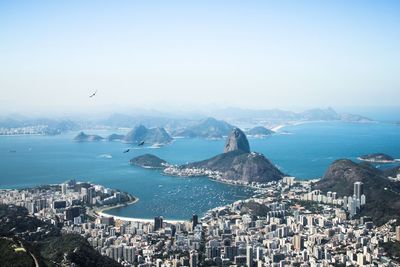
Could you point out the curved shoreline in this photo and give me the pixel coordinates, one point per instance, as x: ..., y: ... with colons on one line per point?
x: 101, y: 212
x: 377, y: 160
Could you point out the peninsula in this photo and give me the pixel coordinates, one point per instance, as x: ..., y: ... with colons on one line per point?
x: 237, y: 165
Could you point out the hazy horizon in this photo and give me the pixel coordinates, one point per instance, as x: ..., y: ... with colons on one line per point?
x: 198, y: 55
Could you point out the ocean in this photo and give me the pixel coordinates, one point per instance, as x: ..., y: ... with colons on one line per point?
x: 303, y: 151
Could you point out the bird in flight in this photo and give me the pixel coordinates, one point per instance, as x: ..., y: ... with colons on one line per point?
x: 141, y: 143
x: 92, y: 95
x: 126, y: 151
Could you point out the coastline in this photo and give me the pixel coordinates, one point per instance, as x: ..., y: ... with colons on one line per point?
x: 101, y: 212
x: 378, y: 161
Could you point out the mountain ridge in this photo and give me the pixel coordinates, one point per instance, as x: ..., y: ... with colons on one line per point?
x: 382, y: 194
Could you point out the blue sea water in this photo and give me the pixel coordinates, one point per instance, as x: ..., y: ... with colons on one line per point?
x: 305, y: 152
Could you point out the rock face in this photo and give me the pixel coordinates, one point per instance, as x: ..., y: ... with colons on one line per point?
x: 238, y: 163
x: 377, y: 157
x: 149, y: 161
x: 150, y: 136
x: 382, y: 194
x: 82, y: 137
x: 237, y: 140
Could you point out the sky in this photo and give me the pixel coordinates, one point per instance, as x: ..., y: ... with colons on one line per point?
x: 198, y: 54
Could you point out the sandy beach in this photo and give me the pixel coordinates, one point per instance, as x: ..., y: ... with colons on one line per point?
x: 102, y: 213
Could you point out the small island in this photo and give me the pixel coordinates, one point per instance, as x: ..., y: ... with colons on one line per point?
x: 82, y: 137
x: 259, y: 132
x: 149, y: 161
x: 377, y: 158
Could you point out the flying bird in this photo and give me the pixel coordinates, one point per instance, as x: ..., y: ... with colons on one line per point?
x: 141, y: 143
x: 92, y: 95
x: 126, y: 151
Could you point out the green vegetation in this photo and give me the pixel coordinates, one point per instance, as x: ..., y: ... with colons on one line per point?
x: 255, y: 208
x: 76, y: 249
x: 313, y: 207
x: 44, y: 241
x: 393, y: 250
x: 12, y: 255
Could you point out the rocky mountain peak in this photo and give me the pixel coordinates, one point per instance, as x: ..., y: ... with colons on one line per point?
x: 237, y: 140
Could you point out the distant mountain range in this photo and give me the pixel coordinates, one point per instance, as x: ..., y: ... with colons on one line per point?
x: 274, y: 115
x: 138, y: 135
x: 208, y: 128
x: 382, y: 194
x: 200, y: 125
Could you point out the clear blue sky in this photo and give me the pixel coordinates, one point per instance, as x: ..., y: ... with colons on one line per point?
x: 186, y: 54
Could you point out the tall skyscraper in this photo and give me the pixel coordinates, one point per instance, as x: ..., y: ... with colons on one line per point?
x: 363, y: 200
x: 249, y: 256
x: 194, y: 258
x: 90, y: 195
x: 195, y: 220
x: 358, y: 189
x: 298, y: 243
x: 158, y: 223
x: 64, y: 187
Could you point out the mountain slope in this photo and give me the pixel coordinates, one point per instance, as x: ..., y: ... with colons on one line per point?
x: 382, y: 194
x: 148, y: 135
x: 238, y: 165
x: 44, y: 242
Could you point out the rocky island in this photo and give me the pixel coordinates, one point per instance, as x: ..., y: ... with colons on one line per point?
x: 377, y: 157
x: 236, y: 165
x: 82, y: 137
x: 259, y: 131
x: 148, y: 135
x: 149, y: 161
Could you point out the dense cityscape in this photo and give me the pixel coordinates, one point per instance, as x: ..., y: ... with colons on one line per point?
x: 284, y: 224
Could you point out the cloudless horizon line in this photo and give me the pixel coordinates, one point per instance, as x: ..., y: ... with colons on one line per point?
x: 384, y: 113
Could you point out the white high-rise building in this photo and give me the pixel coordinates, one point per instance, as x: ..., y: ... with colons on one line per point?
x: 249, y: 256
x: 360, y: 259
x: 363, y: 200
x: 64, y: 188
